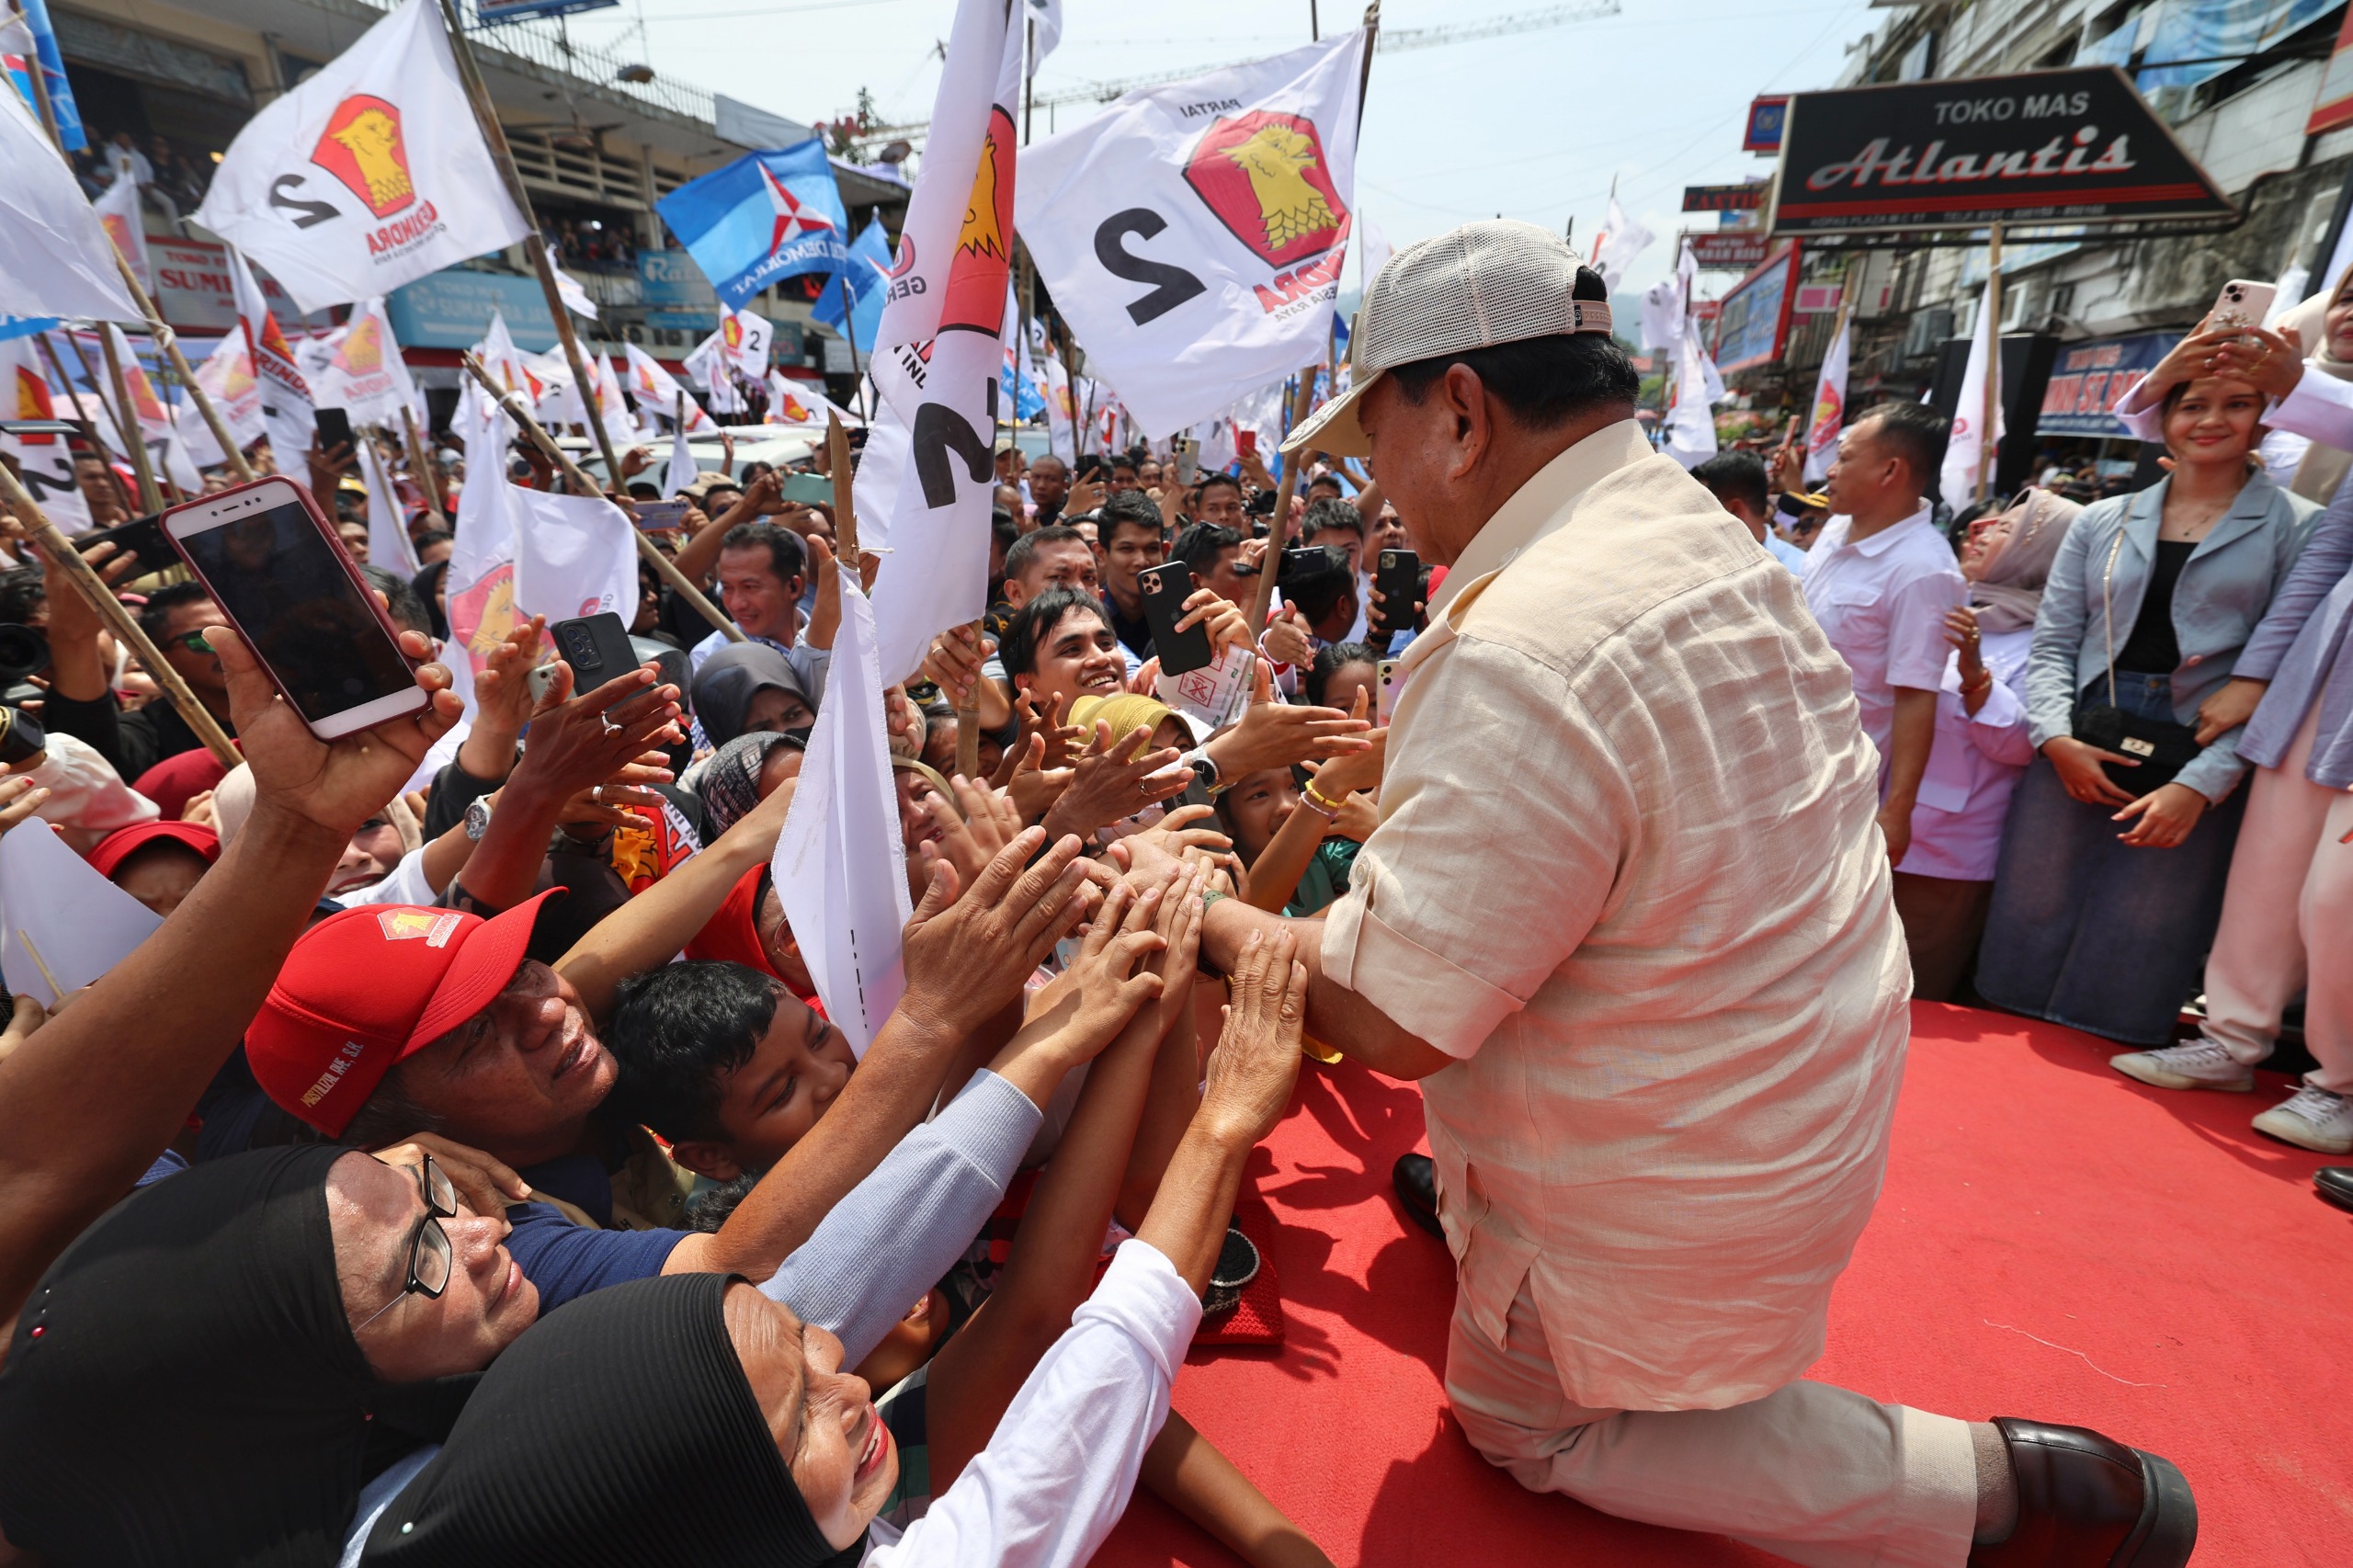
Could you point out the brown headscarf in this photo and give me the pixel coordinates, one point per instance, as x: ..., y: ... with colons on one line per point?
x: 2324, y: 468
x: 2010, y: 592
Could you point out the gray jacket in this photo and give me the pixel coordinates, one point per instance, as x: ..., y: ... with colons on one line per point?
x: 2217, y: 604
x: 2304, y: 648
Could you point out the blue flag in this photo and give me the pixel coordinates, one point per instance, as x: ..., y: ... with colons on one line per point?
x: 53, y: 74
x: 867, y: 273
x: 765, y: 216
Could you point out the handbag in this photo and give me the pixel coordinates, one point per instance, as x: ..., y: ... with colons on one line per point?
x: 2162, y: 747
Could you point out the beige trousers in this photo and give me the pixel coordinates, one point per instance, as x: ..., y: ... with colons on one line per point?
x: 1810, y: 1473
x: 2288, y: 920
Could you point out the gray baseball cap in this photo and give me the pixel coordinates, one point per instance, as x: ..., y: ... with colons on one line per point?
x: 1490, y: 282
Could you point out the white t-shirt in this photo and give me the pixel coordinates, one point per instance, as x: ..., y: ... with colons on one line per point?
x: 1882, y: 602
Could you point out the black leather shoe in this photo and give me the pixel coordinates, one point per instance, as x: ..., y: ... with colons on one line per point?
x: 1416, y: 1176
x: 2335, y: 1184
x: 2087, y: 1501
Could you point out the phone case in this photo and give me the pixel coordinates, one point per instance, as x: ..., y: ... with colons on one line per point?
x: 1165, y: 588
x: 596, y: 647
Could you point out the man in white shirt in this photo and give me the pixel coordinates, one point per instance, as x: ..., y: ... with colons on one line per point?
x: 1648, y: 973
x: 1738, y: 481
x: 1880, y: 580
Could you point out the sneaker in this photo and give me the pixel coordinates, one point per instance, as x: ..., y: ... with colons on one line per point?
x: 2200, y: 1064
x: 2312, y: 1118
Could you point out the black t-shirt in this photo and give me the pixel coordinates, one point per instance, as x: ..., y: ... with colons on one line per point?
x: 2153, y: 649
x: 1136, y: 633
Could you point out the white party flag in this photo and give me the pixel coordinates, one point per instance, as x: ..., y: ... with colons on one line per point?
x: 840, y: 866
x: 62, y: 925
x: 796, y: 402
x: 1620, y: 241
x: 1192, y: 235
x: 1968, y: 451
x: 361, y: 371
x: 573, y: 555
x: 1062, y: 413
x: 555, y: 399
x: 54, y: 258
x: 44, y: 463
x: 746, y: 335
x: 370, y: 175
x: 955, y: 205
x: 118, y: 209
x: 227, y: 377
x: 931, y: 512
x: 575, y: 297
x: 658, y: 392
x: 1045, y: 17
x: 682, y: 469
x: 286, y: 410
x: 1373, y: 249
x: 610, y: 406
x: 389, y: 545
x: 1829, y: 406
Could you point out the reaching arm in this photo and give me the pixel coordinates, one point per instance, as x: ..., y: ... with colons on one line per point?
x: 1915, y: 733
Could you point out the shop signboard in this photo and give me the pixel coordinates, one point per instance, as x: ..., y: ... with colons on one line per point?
x: 2088, y: 378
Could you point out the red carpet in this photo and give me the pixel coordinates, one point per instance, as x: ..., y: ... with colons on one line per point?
x: 2053, y: 1240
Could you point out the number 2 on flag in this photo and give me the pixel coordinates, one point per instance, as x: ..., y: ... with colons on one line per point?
x: 1172, y: 285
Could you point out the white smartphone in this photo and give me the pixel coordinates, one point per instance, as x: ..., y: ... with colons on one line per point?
x: 1386, y: 686
x: 282, y: 578
x: 2241, y: 306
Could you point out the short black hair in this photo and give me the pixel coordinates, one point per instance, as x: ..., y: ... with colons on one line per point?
x: 1329, y: 659
x: 1002, y: 525
x: 1131, y: 507
x: 401, y: 600
x: 22, y: 592
x: 1316, y: 594
x: 1210, y: 482
x: 677, y: 1031
x: 1736, y: 476
x: 1918, y: 433
x: 434, y: 536
x: 1331, y: 479
x: 1200, y: 546
x: 1019, y: 554
x: 1545, y: 382
x: 1330, y: 513
x: 787, y: 557
x: 155, y: 615
x: 1035, y: 620
x: 1060, y: 466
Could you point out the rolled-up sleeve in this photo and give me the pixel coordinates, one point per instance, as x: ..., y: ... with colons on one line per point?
x: 2319, y: 408
x: 1447, y: 936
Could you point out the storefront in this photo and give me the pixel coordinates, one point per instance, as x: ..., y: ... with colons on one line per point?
x: 2077, y: 427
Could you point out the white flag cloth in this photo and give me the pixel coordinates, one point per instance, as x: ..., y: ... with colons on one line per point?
x: 388, y: 541
x: 480, y: 578
x: 1192, y: 235
x: 1045, y: 17
x: 682, y: 469
x: 1373, y: 250
x: 44, y: 463
x: 800, y: 402
x: 1062, y: 413
x: 227, y: 377
x: 955, y: 205
x: 658, y: 392
x: 62, y: 925
x: 573, y: 555
x: 575, y: 297
x: 1662, y: 307
x: 840, y: 866
x: 118, y: 209
x: 499, y: 356
x: 610, y: 406
x: 54, y: 259
x: 1968, y: 451
x: 935, y: 482
x: 1620, y: 241
x: 361, y: 371
x: 555, y: 398
x: 746, y: 335
x: 286, y: 410
x: 371, y: 173
x: 1829, y: 406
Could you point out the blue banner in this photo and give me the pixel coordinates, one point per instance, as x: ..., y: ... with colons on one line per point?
x: 52, y: 75
x: 451, y: 309
x: 2088, y: 378
x: 765, y: 216
x: 2217, y: 34
x: 867, y: 275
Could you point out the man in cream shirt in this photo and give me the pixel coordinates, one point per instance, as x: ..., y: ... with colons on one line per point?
x: 1627, y: 919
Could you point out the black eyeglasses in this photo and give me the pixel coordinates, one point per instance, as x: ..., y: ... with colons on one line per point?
x: 428, y: 1249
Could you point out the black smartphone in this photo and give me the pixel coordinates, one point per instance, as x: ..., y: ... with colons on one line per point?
x: 142, y: 537
x: 334, y: 427
x: 1302, y: 561
x: 1398, y: 575
x: 1166, y: 589
x: 596, y: 647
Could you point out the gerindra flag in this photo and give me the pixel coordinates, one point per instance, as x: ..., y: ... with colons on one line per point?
x: 1192, y: 235
x: 1829, y: 407
x: 54, y: 258
x: 765, y: 216
x: 370, y: 175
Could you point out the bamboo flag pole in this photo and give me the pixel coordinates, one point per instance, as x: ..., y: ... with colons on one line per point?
x: 66, y: 384
x: 512, y: 403
x: 419, y: 460
x: 65, y: 559
x: 99, y: 390
x: 1993, y: 361
x: 535, y: 244
x: 1279, y: 525
x: 134, y: 436
x: 845, y: 519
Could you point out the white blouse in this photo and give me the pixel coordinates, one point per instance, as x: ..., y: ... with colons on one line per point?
x: 1974, y: 764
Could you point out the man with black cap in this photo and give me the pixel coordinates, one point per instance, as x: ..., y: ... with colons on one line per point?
x: 1659, y: 1058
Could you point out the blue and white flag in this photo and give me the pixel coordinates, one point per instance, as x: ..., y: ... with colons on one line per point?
x: 53, y: 74
x: 765, y: 216
x: 866, y: 276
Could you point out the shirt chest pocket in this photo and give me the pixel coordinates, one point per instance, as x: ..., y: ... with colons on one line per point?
x: 1851, y: 617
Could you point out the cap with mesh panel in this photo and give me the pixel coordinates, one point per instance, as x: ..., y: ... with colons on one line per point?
x: 1496, y: 281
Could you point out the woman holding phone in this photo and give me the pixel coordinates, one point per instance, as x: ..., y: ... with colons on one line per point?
x: 2113, y: 855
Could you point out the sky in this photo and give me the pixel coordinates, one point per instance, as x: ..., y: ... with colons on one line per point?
x: 1533, y: 125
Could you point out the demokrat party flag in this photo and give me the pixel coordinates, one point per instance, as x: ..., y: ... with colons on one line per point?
x: 765, y: 216
x: 1192, y: 235
x: 371, y: 174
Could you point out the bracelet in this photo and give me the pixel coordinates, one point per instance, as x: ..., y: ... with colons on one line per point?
x: 1211, y: 897
x: 1322, y: 805
x: 1983, y: 683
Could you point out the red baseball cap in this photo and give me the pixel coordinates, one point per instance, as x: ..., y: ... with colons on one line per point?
x: 121, y: 845
x: 370, y: 987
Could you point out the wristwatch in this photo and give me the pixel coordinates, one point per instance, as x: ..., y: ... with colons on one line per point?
x: 478, y: 818
x: 1205, y: 772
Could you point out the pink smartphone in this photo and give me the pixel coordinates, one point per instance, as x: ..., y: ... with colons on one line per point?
x: 2241, y: 305
x: 281, y: 578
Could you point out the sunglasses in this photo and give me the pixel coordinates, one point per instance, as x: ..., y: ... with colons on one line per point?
x: 192, y: 641
x: 429, y: 1254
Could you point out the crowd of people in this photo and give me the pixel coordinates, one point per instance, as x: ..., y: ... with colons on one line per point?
x: 454, y: 1046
